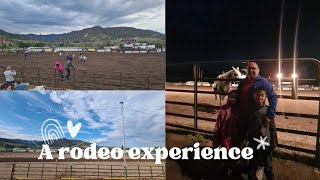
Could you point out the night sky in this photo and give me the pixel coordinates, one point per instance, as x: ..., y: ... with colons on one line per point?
x: 239, y: 29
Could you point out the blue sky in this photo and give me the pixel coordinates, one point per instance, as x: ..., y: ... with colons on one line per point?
x: 62, y: 16
x: 99, y: 112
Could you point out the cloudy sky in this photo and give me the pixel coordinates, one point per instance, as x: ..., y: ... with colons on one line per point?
x: 99, y: 112
x: 61, y: 16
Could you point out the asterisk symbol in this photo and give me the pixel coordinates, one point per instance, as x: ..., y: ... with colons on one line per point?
x: 262, y: 142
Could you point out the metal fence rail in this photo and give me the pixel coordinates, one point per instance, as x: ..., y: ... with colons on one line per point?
x: 81, y: 79
x: 195, y: 91
x: 86, y: 171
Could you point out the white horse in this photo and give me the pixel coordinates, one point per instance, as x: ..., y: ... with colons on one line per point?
x: 42, y: 87
x: 225, y: 86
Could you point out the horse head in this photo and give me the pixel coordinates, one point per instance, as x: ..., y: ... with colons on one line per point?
x: 236, y: 73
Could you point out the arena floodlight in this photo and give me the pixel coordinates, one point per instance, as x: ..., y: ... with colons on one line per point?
x: 279, y: 75
x: 294, y: 75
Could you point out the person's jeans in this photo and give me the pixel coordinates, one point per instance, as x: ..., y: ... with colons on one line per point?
x: 11, y: 84
x: 60, y: 74
x: 68, y: 73
x: 265, y: 162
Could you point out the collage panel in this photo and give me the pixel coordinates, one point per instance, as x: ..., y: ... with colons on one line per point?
x: 243, y: 78
x: 82, y: 45
x: 81, y: 134
x: 83, y: 89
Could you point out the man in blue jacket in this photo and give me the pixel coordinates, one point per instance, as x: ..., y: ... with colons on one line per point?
x: 246, y: 104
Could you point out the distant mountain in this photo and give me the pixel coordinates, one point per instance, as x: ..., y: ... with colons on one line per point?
x: 50, y: 37
x: 13, y: 36
x: 19, y: 142
x: 69, y: 143
x: 98, y: 33
x: 13, y: 143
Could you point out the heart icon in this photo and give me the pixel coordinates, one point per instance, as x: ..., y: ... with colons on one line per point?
x: 73, y: 130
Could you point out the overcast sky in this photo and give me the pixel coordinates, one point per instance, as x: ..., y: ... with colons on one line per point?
x: 22, y: 114
x: 62, y: 16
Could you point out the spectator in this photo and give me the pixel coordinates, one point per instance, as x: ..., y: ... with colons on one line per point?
x: 21, y: 86
x: 6, y: 86
x: 9, y: 73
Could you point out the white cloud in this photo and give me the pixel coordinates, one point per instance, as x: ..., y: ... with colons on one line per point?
x: 16, y: 132
x: 21, y: 117
x: 141, y: 128
x: 60, y: 16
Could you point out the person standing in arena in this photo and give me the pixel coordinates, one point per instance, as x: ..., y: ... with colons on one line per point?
x: 73, y: 56
x: 25, y: 55
x: 68, y: 68
x: 59, y: 68
x: 80, y: 57
x: 84, y: 58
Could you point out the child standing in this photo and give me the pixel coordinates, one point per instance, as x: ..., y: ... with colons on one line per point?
x: 258, y: 128
x: 225, y: 133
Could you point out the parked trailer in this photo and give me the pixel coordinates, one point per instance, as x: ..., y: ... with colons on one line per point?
x: 39, y: 49
x: 92, y: 50
x: 69, y: 49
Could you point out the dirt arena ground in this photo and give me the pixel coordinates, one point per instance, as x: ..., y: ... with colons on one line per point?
x: 101, y: 71
x: 286, y: 122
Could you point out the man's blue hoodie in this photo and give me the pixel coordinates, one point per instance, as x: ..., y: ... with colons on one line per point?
x: 272, y: 96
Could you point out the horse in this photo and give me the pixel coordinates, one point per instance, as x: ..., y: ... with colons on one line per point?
x: 225, y: 86
x: 42, y: 87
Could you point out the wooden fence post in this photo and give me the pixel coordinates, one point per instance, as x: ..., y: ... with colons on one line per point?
x: 42, y: 170
x: 120, y: 80
x: 148, y: 81
x: 111, y: 171
x: 22, y: 74
x: 28, y: 170
x: 74, y: 79
x: 163, y: 172
x: 95, y: 80
x: 12, y: 171
x: 98, y: 172
x: 38, y: 76
x: 55, y: 78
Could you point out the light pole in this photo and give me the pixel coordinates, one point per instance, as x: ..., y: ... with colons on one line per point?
x: 124, y: 143
x: 2, y: 43
x: 85, y: 38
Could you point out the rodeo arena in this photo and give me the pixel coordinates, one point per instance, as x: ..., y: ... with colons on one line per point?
x: 131, y: 67
x: 196, y: 91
